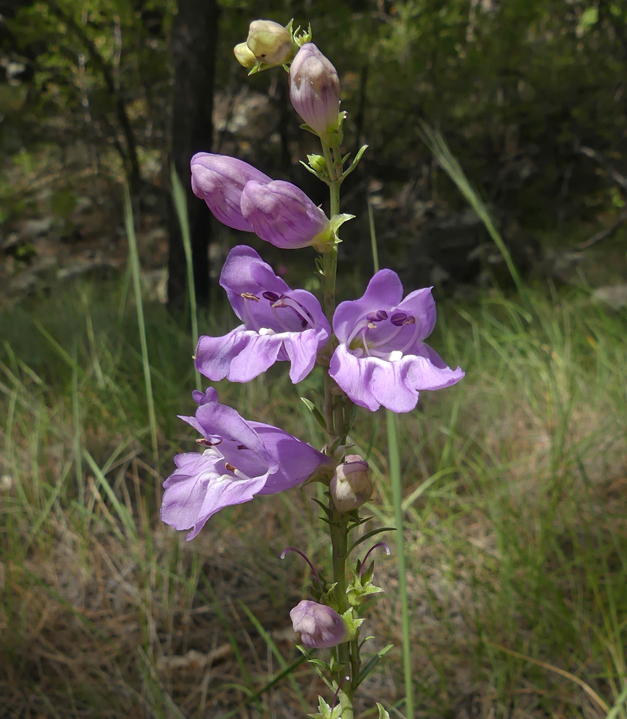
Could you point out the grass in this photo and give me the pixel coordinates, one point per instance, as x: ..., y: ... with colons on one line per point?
x: 515, y: 515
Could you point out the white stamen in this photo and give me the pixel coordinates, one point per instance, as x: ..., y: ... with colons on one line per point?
x: 263, y: 331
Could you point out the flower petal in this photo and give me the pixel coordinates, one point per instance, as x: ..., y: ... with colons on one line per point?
x: 384, y: 292
x: 214, y: 355
x: 258, y: 354
x: 219, y: 181
x: 354, y: 376
x: 195, y: 492
x: 218, y: 419
x: 296, y: 460
x: 282, y: 214
x: 420, y: 304
x: 302, y: 349
x: 428, y: 371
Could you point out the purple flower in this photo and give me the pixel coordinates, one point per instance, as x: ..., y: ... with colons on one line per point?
x: 319, y: 626
x: 241, y: 459
x: 219, y: 181
x: 315, y: 90
x: 279, y: 324
x: 282, y: 214
x: 382, y: 358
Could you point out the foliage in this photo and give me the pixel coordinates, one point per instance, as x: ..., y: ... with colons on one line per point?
x: 517, y: 87
x: 514, y: 522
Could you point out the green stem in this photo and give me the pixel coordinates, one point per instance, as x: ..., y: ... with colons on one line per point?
x: 335, y: 422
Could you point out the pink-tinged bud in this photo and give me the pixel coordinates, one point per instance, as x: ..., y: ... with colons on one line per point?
x: 351, y: 486
x: 244, y: 55
x: 219, y: 181
x: 319, y: 626
x: 282, y: 214
x: 270, y: 42
x: 315, y: 90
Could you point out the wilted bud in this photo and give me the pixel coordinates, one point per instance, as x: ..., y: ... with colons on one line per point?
x: 282, y: 214
x: 269, y: 42
x: 351, y: 486
x: 219, y: 181
x: 319, y: 626
x: 244, y: 55
x: 315, y: 90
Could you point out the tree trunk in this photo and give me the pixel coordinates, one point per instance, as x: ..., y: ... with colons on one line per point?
x: 194, y: 53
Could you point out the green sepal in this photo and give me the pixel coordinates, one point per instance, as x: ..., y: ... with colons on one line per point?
x: 328, y: 597
x: 306, y: 127
x: 338, y: 220
x: 325, y: 711
x: 318, y: 163
x: 361, y: 588
x: 363, y: 641
x: 326, y: 509
x: 353, y: 622
x: 300, y: 38
x: 355, y: 162
x: 310, y: 169
x: 315, y: 411
x: 382, y: 713
x: 372, y: 664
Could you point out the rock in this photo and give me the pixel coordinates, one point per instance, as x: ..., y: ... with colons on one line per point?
x: 613, y: 295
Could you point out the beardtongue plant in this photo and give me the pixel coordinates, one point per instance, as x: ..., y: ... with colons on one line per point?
x: 372, y: 350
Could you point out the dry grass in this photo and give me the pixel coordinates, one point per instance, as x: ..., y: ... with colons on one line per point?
x: 516, y: 507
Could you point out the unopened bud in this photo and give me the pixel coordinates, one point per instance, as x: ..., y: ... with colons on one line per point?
x: 315, y: 91
x: 351, y: 486
x: 318, y: 625
x: 244, y: 55
x: 270, y: 42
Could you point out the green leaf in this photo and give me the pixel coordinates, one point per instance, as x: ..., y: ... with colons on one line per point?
x: 370, y: 534
x: 373, y: 663
x: 355, y: 162
x: 382, y: 713
x: 316, y: 412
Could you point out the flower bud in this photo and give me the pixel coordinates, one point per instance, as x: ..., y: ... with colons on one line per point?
x: 269, y: 42
x: 351, y: 486
x: 219, y: 181
x: 318, y: 625
x: 244, y: 55
x: 315, y: 90
x: 282, y: 214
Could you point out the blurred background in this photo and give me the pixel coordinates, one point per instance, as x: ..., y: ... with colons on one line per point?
x: 514, y: 480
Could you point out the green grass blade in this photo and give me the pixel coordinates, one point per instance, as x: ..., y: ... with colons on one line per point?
x: 180, y: 204
x: 134, y: 262
x: 435, y: 141
x: 397, y: 499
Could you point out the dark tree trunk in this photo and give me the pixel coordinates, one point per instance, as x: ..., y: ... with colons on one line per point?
x: 194, y: 52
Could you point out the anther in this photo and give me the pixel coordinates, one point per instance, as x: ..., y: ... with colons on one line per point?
x: 398, y: 319
x: 230, y: 467
x: 250, y: 296
x: 271, y: 296
x: 208, y: 443
x: 377, y: 316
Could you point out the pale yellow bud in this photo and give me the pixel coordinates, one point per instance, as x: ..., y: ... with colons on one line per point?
x: 351, y: 486
x: 244, y: 56
x: 270, y: 42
